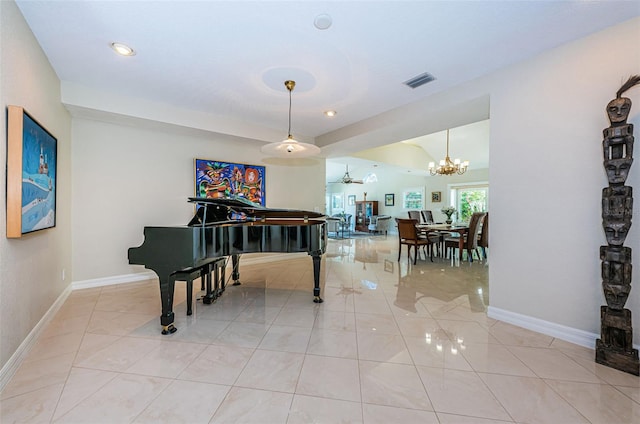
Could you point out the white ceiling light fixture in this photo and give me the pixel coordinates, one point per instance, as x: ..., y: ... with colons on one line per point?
x: 447, y: 166
x: 123, y: 49
x: 330, y: 113
x: 371, y: 177
x: 290, y: 147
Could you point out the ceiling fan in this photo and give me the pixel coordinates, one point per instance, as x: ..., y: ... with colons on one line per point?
x: 346, y: 179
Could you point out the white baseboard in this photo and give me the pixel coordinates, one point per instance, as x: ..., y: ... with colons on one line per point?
x: 12, y: 365
x: 114, y: 279
x: 568, y: 334
x: 9, y: 369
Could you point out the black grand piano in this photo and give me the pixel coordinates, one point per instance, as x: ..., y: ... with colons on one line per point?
x: 223, y: 228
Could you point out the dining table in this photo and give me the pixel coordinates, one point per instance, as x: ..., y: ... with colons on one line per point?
x: 461, y: 229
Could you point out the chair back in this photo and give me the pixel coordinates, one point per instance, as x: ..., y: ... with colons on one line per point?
x: 427, y: 217
x: 483, y: 240
x: 407, y: 229
x: 477, y: 218
x: 415, y: 215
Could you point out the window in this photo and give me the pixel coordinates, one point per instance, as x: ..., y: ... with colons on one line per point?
x: 337, y: 202
x: 469, y: 198
x: 413, y: 198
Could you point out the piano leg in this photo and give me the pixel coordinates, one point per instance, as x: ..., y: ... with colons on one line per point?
x: 221, y: 275
x: 167, y: 286
x: 210, y: 295
x: 317, y: 257
x: 235, y: 259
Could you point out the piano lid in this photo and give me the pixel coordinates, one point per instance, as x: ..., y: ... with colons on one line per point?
x: 241, y: 209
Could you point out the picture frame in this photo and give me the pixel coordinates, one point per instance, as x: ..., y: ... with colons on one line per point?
x: 352, y: 200
x: 389, y: 199
x: 219, y: 179
x: 32, y: 155
x: 413, y: 198
x: 436, y: 196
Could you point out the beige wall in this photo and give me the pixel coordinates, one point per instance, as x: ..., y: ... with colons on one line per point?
x: 126, y: 177
x: 396, y: 183
x: 547, y: 117
x: 31, y: 267
x: 546, y: 177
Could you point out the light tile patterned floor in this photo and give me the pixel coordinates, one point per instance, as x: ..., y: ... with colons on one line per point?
x: 392, y: 343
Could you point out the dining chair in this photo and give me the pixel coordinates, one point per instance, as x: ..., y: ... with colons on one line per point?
x: 427, y: 217
x: 483, y: 238
x: 415, y: 215
x: 470, y: 242
x: 409, y: 235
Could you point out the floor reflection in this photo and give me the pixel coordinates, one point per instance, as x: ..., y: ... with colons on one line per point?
x: 392, y: 342
x: 439, y: 280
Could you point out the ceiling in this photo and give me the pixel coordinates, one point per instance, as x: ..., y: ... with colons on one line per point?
x: 469, y: 142
x: 231, y: 58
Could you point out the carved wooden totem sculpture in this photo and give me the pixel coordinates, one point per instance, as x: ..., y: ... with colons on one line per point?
x: 614, y: 348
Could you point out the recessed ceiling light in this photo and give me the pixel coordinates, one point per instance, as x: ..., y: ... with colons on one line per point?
x: 330, y: 113
x: 322, y: 21
x: 123, y: 49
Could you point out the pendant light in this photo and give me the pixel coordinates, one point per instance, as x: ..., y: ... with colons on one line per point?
x: 290, y: 147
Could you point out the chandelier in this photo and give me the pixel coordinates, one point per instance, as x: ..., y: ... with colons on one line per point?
x: 290, y: 147
x: 447, y: 166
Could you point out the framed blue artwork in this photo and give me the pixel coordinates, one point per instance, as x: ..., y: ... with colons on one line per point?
x: 31, y: 174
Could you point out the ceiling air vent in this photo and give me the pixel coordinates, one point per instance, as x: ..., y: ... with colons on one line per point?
x: 421, y: 79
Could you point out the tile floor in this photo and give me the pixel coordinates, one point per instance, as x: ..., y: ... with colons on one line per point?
x: 392, y: 343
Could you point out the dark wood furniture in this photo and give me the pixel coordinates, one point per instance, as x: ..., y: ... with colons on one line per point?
x: 409, y: 235
x: 427, y: 217
x: 365, y: 209
x: 415, y: 215
x: 468, y: 241
x: 483, y: 238
x: 429, y: 229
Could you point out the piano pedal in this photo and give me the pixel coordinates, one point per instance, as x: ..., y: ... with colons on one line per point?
x: 169, y: 329
x: 317, y: 299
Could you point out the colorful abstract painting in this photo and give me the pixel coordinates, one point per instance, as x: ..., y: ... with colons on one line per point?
x: 216, y: 179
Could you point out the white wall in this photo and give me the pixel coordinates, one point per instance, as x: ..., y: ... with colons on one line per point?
x: 547, y: 117
x: 127, y: 177
x: 546, y: 178
x: 393, y: 182
x: 31, y: 266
